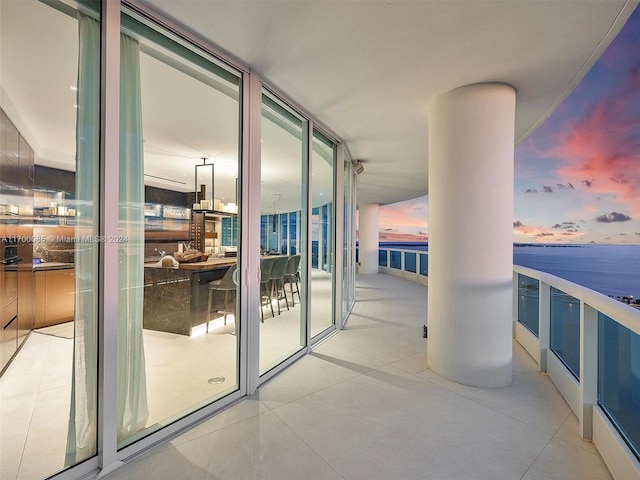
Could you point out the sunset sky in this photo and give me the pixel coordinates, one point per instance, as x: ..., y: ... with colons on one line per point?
x: 577, y: 177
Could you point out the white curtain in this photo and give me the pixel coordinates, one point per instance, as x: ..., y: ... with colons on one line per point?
x: 81, y: 439
x: 132, y: 394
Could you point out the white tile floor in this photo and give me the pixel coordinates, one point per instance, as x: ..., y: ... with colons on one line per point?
x: 35, y: 390
x: 361, y: 406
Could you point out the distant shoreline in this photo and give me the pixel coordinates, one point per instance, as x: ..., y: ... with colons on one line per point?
x: 604, y: 268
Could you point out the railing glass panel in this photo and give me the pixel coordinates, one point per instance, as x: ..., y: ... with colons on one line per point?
x: 382, y: 258
x: 619, y: 378
x: 565, y: 329
x: 528, y: 302
x: 424, y: 264
x: 396, y: 259
x: 410, y: 262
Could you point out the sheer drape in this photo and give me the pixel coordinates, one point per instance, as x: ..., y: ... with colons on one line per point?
x: 81, y: 439
x: 132, y: 395
x: 132, y: 407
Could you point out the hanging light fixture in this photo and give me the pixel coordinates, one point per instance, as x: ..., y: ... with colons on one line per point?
x: 204, y: 183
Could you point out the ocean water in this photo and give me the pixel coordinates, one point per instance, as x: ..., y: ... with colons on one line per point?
x: 609, y: 269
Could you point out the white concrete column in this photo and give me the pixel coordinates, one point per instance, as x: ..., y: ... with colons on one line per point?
x: 368, y: 228
x: 471, y: 144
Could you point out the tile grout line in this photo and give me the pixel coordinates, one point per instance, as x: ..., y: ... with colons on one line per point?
x: 35, y: 402
x: 545, y: 445
x: 307, y: 444
x: 491, y: 408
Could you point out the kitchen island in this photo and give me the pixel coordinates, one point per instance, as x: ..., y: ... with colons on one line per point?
x: 176, y: 298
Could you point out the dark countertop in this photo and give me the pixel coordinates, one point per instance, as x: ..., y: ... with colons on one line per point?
x: 211, y: 264
x: 42, y: 267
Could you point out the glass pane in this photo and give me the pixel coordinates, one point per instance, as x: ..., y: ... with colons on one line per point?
x: 410, y: 262
x: 284, y: 233
x: 396, y: 259
x: 179, y: 163
x: 565, y: 329
x: 619, y: 378
x: 49, y: 131
x: 382, y: 258
x: 294, y: 232
x: 424, y: 264
x: 528, y: 302
x: 322, y: 234
x: 346, y: 235
x: 352, y: 239
x: 282, y: 326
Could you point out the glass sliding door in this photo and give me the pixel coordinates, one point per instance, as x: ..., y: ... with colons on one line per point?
x: 322, y: 233
x: 178, y: 324
x: 283, y: 242
x: 50, y: 133
x: 348, y: 262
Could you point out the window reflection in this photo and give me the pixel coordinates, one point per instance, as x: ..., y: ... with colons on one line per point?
x: 322, y: 235
x: 178, y: 318
x: 50, y: 111
x: 282, y: 239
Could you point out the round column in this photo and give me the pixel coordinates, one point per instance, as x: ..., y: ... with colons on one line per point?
x: 471, y: 144
x: 368, y: 228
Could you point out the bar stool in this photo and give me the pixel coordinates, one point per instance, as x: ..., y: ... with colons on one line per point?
x: 291, y: 275
x: 266, y: 265
x: 277, y: 280
x: 227, y: 285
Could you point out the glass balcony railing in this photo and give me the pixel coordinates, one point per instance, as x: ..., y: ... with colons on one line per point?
x: 577, y: 326
x: 424, y: 264
x: 395, y: 259
x: 383, y: 255
x: 528, y: 302
x: 402, y: 260
x: 619, y: 378
x: 410, y: 262
x: 565, y: 329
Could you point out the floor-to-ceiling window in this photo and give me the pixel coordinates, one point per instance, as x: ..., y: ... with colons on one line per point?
x: 283, y: 243
x: 177, y: 297
x: 322, y: 233
x: 178, y: 324
x: 348, y: 243
x: 50, y: 110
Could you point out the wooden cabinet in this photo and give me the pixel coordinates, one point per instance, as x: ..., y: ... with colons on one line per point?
x: 16, y: 229
x: 55, y: 297
x: 8, y: 332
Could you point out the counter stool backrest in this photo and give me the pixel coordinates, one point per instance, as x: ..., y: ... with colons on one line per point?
x: 227, y: 282
x: 293, y: 264
x: 266, y: 265
x: 279, y: 267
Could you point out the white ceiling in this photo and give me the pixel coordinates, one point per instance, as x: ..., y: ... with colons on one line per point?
x: 184, y: 119
x: 368, y: 69
x: 365, y: 69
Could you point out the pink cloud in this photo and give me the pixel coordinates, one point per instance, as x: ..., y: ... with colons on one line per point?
x: 541, y: 234
x: 601, y: 151
x: 411, y: 213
